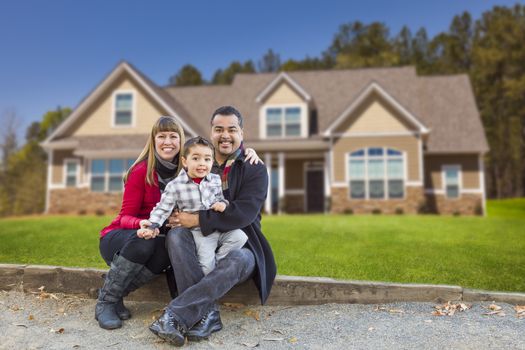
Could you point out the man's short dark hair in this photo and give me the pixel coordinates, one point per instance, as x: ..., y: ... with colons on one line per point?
x: 225, y: 111
x: 199, y: 140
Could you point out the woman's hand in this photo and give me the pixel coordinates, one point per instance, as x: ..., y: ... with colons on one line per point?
x: 252, y: 156
x: 145, y: 232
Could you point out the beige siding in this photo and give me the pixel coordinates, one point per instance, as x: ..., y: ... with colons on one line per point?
x: 57, y: 170
x: 97, y: 120
x: 469, y: 170
x: 408, y: 144
x: 283, y: 94
x: 374, y: 116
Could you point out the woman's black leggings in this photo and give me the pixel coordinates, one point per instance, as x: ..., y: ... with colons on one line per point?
x: 151, y: 253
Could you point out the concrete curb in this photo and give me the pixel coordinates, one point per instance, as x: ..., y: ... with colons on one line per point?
x: 287, y: 290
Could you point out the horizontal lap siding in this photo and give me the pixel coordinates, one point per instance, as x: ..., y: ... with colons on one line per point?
x: 469, y: 169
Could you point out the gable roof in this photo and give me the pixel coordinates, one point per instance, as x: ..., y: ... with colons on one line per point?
x: 369, y: 90
x: 444, y: 105
x: 159, y: 95
x: 282, y: 77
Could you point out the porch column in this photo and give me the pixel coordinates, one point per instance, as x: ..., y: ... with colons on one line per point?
x: 268, y: 162
x: 281, y: 179
x: 327, y: 177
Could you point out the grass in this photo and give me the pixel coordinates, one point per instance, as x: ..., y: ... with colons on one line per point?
x: 474, y: 252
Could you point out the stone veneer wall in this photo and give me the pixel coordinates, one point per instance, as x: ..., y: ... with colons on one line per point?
x: 83, y: 201
x: 466, y: 204
x: 411, y: 204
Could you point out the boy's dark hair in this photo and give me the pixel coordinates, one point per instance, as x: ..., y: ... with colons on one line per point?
x: 225, y: 111
x: 194, y: 141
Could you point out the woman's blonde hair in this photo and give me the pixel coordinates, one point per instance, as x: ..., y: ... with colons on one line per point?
x: 165, y: 123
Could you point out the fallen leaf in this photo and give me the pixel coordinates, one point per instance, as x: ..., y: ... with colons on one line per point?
x: 293, y: 340
x: 497, y: 313
x: 253, y: 313
x: 273, y: 339
x: 336, y: 313
x: 31, y: 317
x: 16, y: 308
x: 520, y: 311
x: 234, y: 305
x: 428, y: 321
x: 278, y: 331
x: 494, y: 307
x: 370, y: 329
x: 396, y: 311
x: 449, y: 309
x: 250, y: 345
x: 61, y: 310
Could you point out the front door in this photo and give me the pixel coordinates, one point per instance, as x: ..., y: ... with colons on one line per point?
x: 314, y: 191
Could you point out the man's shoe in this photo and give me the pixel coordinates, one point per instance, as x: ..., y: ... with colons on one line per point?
x: 168, y: 328
x: 211, y: 322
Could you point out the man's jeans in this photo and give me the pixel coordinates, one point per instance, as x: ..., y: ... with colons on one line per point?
x: 198, y: 293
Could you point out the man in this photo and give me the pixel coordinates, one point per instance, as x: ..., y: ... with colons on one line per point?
x: 194, y: 312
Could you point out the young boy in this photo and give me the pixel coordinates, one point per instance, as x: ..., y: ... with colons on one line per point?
x: 194, y: 189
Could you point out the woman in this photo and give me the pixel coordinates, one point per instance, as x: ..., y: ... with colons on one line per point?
x: 133, y: 254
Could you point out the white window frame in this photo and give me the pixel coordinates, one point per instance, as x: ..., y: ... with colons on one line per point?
x: 75, y: 161
x: 444, y: 169
x: 303, y: 120
x: 385, y: 157
x: 107, y: 173
x: 114, y: 108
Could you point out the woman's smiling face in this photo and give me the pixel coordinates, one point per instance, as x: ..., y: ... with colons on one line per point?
x: 167, y: 144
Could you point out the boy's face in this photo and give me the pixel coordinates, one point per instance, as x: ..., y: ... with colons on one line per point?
x: 199, y: 161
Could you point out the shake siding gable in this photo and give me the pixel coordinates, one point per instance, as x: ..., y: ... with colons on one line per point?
x: 283, y: 94
x: 98, y: 120
x: 57, y: 170
x: 374, y: 116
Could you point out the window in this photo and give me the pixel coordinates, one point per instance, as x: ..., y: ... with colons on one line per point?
x: 376, y: 173
x: 281, y: 122
x: 107, y: 174
x: 123, y: 109
x: 71, y: 173
x: 451, y: 180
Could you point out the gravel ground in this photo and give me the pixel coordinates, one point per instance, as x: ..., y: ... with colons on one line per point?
x: 56, y: 321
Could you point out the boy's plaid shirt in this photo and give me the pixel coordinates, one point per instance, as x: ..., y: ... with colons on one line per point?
x: 184, y: 194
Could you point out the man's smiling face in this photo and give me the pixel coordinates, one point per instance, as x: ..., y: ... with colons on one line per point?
x: 226, y: 136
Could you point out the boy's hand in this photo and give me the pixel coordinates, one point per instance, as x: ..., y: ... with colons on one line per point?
x: 219, y: 206
x: 145, y: 231
x: 144, y: 223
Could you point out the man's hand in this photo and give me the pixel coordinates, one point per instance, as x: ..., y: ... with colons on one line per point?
x: 181, y: 219
x: 219, y: 206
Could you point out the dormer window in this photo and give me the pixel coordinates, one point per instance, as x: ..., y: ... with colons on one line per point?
x: 283, y: 121
x: 123, y: 111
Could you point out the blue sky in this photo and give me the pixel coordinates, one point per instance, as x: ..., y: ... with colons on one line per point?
x: 55, y: 52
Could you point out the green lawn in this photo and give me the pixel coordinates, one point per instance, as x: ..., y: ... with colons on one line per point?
x: 474, y: 252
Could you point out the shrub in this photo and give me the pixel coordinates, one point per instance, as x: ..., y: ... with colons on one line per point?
x: 400, y: 211
x: 376, y: 211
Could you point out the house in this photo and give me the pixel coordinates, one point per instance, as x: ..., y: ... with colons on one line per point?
x: 378, y: 140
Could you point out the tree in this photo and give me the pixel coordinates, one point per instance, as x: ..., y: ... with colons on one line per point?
x: 23, y: 179
x: 226, y: 76
x: 8, y: 138
x: 403, y: 46
x: 498, y: 77
x: 308, y: 64
x: 270, y: 62
x: 186, y: 76
x: 357, y: 45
